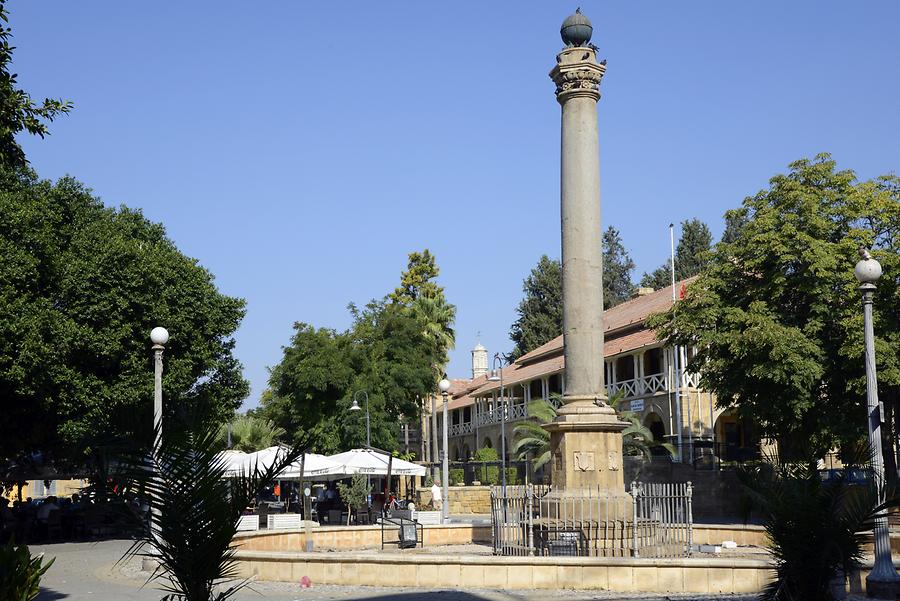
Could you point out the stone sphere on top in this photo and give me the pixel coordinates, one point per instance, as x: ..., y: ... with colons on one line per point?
x: 576, y: 30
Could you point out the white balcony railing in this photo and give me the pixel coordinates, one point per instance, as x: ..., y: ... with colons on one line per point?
x: 490, y: 416
x: 461, y: 429
x: 691, y: 380
x: 653, y: 384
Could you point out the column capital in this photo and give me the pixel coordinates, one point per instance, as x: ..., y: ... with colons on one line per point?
x: 577, y: 74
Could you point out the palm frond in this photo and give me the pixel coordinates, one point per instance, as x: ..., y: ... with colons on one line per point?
x: 541, y: 411
x: 184, y: 478
x: 815, y: 527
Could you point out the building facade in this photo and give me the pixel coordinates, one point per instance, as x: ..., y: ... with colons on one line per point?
x: 641, y: 369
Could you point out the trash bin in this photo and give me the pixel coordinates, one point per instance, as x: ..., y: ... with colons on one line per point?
x: 408, y: 538
x: 564, y: 546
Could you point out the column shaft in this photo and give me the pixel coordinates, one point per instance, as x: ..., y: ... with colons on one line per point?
x: 581, y: 248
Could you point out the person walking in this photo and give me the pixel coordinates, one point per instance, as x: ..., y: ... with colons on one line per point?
x: 437, y: 498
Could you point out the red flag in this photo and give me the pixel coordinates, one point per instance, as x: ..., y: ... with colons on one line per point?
x: 683, y: 291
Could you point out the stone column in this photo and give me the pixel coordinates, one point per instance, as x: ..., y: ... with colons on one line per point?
x: 585, y: 438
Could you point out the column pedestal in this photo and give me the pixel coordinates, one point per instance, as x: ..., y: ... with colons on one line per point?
x: 586, y: 447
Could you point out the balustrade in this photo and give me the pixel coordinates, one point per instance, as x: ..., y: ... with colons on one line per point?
x: 652, y: 384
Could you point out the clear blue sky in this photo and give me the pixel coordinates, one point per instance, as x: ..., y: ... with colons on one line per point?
x: 300, y: 150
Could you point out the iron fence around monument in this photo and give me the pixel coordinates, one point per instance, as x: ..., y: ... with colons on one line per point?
x: 652, y: 520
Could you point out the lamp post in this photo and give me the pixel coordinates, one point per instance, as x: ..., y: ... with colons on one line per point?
x: 883, y: 581
x: 497, y: 376
x: 444, y: 385
x: 159, y: 337
x: 355, y: 407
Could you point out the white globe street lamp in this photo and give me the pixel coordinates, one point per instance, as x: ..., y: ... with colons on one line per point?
x: 444, y: 386
x: 159, y: 337
x: 883, y: 581
x: 355, y: 407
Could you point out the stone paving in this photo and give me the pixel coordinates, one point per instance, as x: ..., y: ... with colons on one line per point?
x: 88, y: 572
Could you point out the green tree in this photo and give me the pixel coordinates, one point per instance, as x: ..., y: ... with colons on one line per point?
x: 734, y: 224
x: 417, y: 280
x: 309, y: 386
x: 540, y: 310
x: 250, y: 433
x: 385, y: 353
x: 425, y: 299
x: 693, y: 247
x: 81, y: 286
x: 690, y: 255
x: 18, y: 112
x: 355, y: 494
x: 776, y: 317
x: 395, y: 364
x: 617, y: 268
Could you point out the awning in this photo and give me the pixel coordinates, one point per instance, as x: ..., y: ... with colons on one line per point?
x: 314, y: 465
x: 367, y: 461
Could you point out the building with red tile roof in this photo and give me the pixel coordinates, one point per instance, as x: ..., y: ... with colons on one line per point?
x: 638, y: 366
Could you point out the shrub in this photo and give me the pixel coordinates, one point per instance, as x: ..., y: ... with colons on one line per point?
x: 488, y: 475
x: 20, y: 573
x: 457, y: 476
x: 512, y: 475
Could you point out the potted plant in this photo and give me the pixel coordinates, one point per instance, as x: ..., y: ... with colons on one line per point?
x: 355, y: 494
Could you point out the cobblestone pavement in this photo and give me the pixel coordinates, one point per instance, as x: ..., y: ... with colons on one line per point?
x: 87, y: 572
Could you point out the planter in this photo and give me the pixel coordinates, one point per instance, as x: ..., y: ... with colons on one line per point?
x: 423, y: 517
x: 427, y: 517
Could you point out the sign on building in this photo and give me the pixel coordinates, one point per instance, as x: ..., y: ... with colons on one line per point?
x: 637, y: 405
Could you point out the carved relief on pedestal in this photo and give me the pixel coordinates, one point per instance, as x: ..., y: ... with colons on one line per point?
x: 584, y: 461
x: 614, y: 461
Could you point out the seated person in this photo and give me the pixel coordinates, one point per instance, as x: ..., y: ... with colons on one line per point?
x: 46, y: 507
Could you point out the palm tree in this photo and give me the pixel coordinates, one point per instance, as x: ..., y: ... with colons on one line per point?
x: 816, y: 528
x: 532, y: 439
x: 637, y: 439
x: 250, y: 433
x: 437, y: 316
x: 192, y: 540
x: 530, y: 436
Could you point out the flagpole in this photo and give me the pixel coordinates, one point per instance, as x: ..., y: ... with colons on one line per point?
x: 676, y: 354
